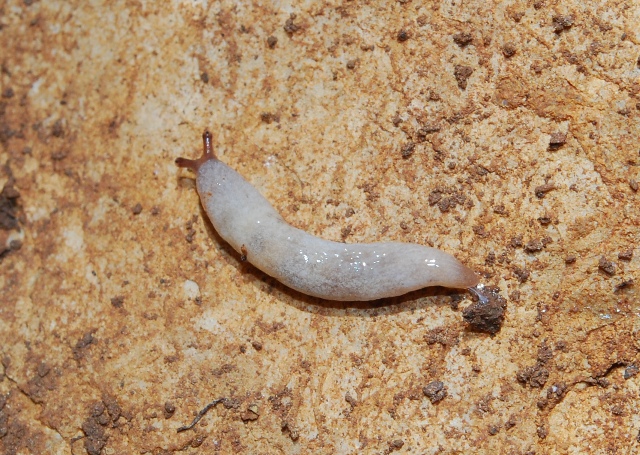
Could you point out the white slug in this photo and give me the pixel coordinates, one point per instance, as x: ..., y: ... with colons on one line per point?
x: 317, y: 267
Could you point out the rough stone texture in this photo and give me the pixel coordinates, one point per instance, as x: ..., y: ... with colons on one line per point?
x: 122, y: 315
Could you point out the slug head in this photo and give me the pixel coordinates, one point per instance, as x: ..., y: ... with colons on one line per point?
x: 207, y: 154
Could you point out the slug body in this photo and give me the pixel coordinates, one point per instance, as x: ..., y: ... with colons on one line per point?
x: 314, y: 266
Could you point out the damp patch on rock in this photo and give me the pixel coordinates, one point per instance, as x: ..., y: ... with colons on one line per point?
x: 11, y: 234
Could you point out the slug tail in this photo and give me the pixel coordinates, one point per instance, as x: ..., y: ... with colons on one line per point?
x: 463, y: 277
x: 207, y: 154
x: 469, y: 278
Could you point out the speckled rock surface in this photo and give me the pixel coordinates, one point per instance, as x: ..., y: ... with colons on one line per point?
x: 505, y: 133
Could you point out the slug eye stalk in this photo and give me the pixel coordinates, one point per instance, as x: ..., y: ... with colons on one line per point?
x: 207, y: 154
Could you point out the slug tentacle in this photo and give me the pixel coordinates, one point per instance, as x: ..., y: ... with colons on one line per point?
x: 309, y: 264
x: 207, y: 154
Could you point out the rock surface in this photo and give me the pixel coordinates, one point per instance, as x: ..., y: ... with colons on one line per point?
x: 122, y: 314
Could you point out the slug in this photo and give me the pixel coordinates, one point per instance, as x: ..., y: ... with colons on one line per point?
x: 311, y: 265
